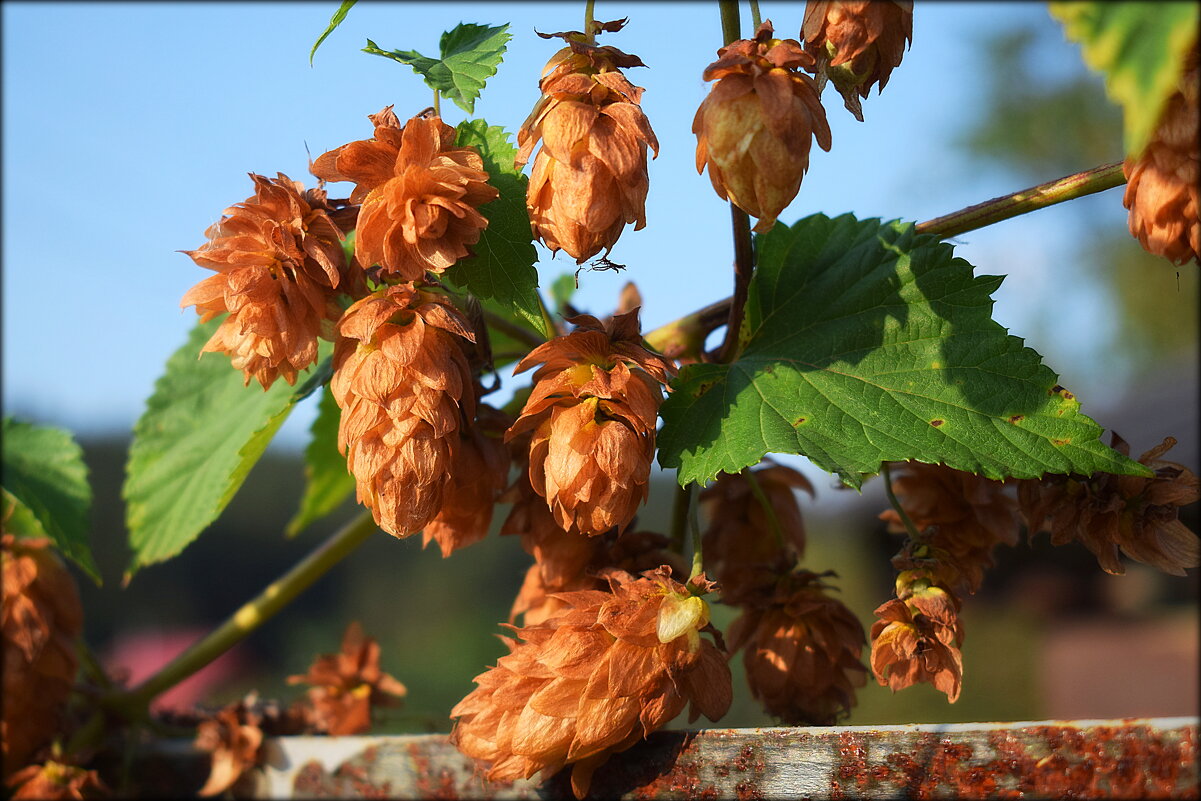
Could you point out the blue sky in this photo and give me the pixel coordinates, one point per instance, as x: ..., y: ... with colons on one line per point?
x: 129, y: 127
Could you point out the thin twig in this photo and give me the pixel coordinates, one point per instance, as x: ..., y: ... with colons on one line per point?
x: 892, y: 498
x: 526, y: 336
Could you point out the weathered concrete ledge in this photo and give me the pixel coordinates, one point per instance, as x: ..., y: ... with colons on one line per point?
x: 1129, y: 758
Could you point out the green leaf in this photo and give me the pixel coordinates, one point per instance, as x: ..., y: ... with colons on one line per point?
x: 562, y: 290
x: 1139, y: 48
x: 334, y: 22
x: 327, y: 481
x: 470, y: 55
x: 47, y: 481
x: 870, y: 343
x: 201, y: 433
x: 503, y: 265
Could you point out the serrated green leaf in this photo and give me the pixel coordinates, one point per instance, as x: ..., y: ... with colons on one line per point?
x: 502, y: 268
x: 192, y: 448
x: 1139, y: 48
x: 44, y: 472
x: 470, y: 54
x: 334, y: 22
x: 327, y: 481
x: 871, y: 343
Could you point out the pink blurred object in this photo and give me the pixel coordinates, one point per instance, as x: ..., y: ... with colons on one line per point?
x: 135, y: 656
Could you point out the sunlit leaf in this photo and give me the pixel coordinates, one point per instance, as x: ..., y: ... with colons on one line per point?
x: 334, y: 22
x: 327, y: 481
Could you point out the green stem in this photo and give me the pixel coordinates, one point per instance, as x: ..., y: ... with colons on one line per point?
x: 694, y: 524
x: 437, y: 104
x: 680, y: 336
x: 1004, y: 207
x: 744, y: 268
x: 520, y: 333
x: 588, y: 20
x: 252, y: 615
x: 730, y: 24
x: 768, y: 510
x: 756, y: 20
x: 892, y: 498
x: 679, y: 516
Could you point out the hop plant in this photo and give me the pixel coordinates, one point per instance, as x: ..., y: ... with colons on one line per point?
x: 403, y: 386
x: 592, y: 413
x: 419, y: 195
x: 593, y: 680
x: 589, y: 179
x: 278, y: 258
x: 754, y: 129
x: 856, y: 44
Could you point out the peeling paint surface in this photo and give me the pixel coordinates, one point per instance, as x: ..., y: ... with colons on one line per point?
x: 1059, y: 759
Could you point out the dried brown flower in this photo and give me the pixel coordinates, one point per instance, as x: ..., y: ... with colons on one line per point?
x: 754, y: 128
x: 349, y: 684
x: 41, y: 619
x: 278, y: 258
x: 420, y: 194
x: 970, y: 514
x: 801, y: 648
x: 744, y: 537
x: 1163, y: 183
x: 57, y: 781
x: 234, y: 737
x: 403, y: 386
x: 593, y: 680
x: 1106, y: 512
x: 593, y: 412
x: 917, y: 639
x: 479, y: 475
x: 857, y: 43
x: 589, y: 179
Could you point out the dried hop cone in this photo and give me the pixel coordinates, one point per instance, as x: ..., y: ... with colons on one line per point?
x: 754, y: 128
x: 1163, y: 183
x: 593, y: 411
x: 801, y: 649
x: 420, y: 195
x: 857, y: 43
x: 589, y: 179
x: 278, y: 258
x: 594, y: 679
x: 403, y: 386
x: 42, y: 617
x: 57, y: 780
x: 917, y: 637
x: 1107, y: 512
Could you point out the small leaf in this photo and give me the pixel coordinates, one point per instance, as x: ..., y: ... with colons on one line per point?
x: 502, y: 268
x: 192, y: 448
x: 334, y: 22
x: 562, y: 290
x: 870, y: 343
x: 1139, y: 48
x: 327, y: 481
x: 46, y: 477
x: 470, y: 55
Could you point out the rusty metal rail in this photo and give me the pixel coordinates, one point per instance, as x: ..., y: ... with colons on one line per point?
x: 1130, y: 758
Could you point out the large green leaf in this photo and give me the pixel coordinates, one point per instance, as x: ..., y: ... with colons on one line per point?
x: 470, y: 54
x: 1139, y: 48
x: 327, y: 481
x: 201, y: 433
x: 867, y: 342
x: 502, y: 268
x: 334, y: 22
x: 46, y: 487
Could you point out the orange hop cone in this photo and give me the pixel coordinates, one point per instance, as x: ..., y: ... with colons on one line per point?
x: 743, y: 536
x: 589, y: 179
x: 593, y: 411
x: 594, y: 679
x: 857, y: 43
x: 1107, y: 513
x: 279, y: 261
x: 801, y: 649
x: 234, y: 739
x: 347, y: 685
x: 420, y: 195
x: 1162, y: 184
x: 403, y: 385
x: 972, y: 514
x: 41, y: 620
x: 479, y: 476
x: 754, y: 128
x: 917, y: 639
